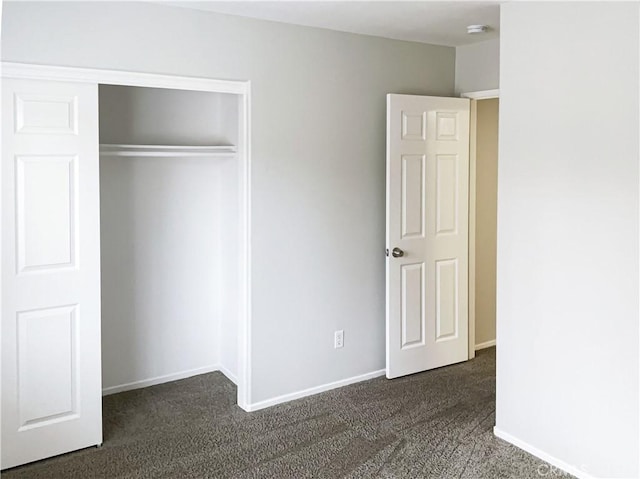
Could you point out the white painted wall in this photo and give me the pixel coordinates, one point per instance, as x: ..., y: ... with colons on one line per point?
x: 318, y: 153
x: 478, y: 66
x: 168, y: 273
x: 567, y: 275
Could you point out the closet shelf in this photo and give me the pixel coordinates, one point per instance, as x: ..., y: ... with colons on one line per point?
x: 162, y: 151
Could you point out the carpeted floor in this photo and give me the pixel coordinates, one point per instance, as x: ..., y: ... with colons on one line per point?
x: 436, y: 424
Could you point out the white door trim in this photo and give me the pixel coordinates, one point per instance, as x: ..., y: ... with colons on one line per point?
x: 119, y: 77
x: 152, y: 80
x: 474, y: 97
x: 473, y: 110
x: 481, y: 95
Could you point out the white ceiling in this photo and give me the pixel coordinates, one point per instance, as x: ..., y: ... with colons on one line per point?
x: 441, y: 23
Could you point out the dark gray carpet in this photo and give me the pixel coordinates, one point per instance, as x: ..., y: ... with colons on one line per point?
x: 436, y: 424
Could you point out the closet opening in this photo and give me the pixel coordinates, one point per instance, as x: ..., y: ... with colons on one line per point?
x: 128, y: 253
x: 171, y: 213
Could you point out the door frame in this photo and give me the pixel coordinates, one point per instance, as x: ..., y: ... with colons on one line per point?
x: 474, y: 96
x: 242, y: 88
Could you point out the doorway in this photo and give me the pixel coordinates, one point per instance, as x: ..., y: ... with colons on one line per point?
x: 483, y: 189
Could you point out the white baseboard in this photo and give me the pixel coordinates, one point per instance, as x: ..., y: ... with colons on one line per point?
x: 162, y: 379
x: 555, y: 462
x: 230, y: 376
x: 314, y: 390
x: 486, y: 344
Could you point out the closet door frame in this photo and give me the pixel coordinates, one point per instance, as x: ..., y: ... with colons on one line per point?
x: 242, y: 88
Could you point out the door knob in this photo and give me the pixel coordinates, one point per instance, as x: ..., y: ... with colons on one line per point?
x: 397, y: 253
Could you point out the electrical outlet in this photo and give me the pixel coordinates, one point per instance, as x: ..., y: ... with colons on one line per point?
x: 338, y: 339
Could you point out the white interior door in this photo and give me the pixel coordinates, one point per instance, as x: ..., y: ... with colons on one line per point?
x: 51, y: 398
x: 427, y: 232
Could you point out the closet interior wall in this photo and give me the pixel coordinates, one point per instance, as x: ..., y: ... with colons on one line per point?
x: 169, y: 236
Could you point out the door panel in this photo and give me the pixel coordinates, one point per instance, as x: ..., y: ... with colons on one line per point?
x: 446, y: 299
x: 446, y: 194
x: 413, y: 196
x: 49, y: 214
x: 413, y: 319
x: 51, y: 379
x: 45, y: 368
x: 427, y: 218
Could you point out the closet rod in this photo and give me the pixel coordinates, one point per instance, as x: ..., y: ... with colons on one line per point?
x: 167, y: 150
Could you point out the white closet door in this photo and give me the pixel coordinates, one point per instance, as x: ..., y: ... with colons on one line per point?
x: 51, y: 398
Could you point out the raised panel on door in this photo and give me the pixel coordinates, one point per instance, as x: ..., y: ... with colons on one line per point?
x: 413, y: 196
x: 427, y: 222
x: 446, y: 185
x: 46, y: 114
x: 51, y: 378
x: 447, y: 317
x: 413, y: 305
x: 42, y: 367
x: 46, y: 221
x: 414, y: 125
x: 446, y: 127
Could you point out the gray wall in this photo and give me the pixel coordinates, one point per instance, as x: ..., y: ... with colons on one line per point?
x: 567, y: 276
x: 318, y: 139
x: 478, y: 66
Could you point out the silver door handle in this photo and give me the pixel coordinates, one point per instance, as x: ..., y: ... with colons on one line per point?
x: 397, y: 253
